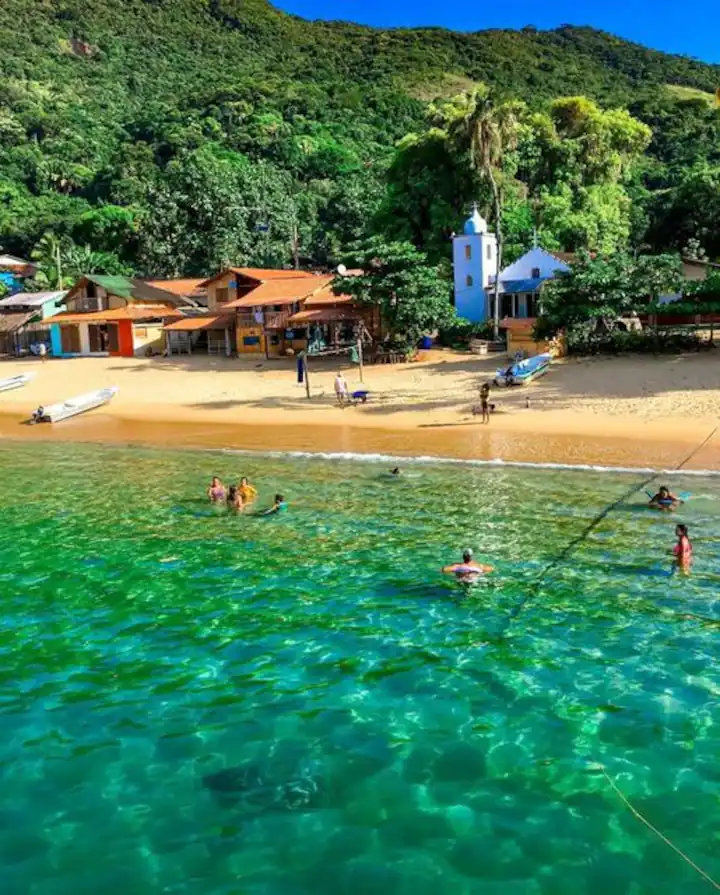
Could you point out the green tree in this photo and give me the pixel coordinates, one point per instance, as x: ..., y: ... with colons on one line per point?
x: 412, y: 295
x: 599, y: 289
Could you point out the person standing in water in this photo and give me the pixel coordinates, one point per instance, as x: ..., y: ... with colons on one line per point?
x: 683, y: 550
x: 468, y: 569
x: 216, y: 492
x: 247, y: 491
x: 235, y: 500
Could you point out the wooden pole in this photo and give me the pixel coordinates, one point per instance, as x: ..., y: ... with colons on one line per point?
x: 360, y: 357
x: 307, y: 377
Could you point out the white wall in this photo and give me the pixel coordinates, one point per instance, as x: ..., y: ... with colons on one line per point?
x: 471, y: 301
x: 84, y: 339
x: 522, y: 268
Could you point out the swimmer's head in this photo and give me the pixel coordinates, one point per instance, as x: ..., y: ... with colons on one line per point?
x: 243, y: 481
x: 395, y: 471
x: 279, y: 498
x: 215, y: 481
x: 681, y: 530
x: 467, y: 555
x: 664, y: 491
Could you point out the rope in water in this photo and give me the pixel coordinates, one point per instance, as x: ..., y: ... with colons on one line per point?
x: 623, y: 797
x: 558, y: 560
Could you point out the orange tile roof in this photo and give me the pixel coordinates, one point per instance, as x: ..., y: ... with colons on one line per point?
x: 326, y: 296
x: 130, y: 312
x: 260, y: 274
x: 193, y: 324
x: 279, y: 292
x: 178, y: 287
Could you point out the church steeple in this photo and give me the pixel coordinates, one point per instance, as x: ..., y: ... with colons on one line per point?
x: 474, y: 266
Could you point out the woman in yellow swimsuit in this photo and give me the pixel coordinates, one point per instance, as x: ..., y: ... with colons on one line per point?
x: 246, y: 491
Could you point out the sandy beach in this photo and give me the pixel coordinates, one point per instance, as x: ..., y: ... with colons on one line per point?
x: 635, y: 411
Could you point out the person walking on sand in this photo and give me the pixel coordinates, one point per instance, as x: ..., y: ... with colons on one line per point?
x: 42, y: 351
x: 341, y: 389
x: 485, y: 402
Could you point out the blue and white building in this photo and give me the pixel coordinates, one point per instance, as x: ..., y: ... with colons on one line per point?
x: 475, y: 270
x: 474, y: 267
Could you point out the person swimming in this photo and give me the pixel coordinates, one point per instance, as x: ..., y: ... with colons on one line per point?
x: 235, y: 499
x: 395, y: 471
x: 683, y: 550
x: 279, y: 505
x: 247, y: 491
x: 665, y: 499
x: 468, y: 569
x: 216, y: 492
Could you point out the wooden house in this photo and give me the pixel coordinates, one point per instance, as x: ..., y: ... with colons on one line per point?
x: 114, y: 315
x: 23, y: 320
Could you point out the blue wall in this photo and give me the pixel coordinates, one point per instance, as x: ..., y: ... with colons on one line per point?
x: 55, y: 340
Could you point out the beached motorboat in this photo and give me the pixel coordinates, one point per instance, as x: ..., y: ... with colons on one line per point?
x: 54, y: 413
x: 524, y: 371
x: 16, y: 381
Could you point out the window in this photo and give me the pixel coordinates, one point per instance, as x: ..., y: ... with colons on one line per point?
x: 535, y: 273
x: 222, y: 296
x: 468, y: 280
x: 468, y: 253
x: 488, y: 251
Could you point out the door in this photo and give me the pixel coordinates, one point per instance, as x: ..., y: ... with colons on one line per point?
x: 95, y: 338
x: 70, y: 339
x: 113, y: 341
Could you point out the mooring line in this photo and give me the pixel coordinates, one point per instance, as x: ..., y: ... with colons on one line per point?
x: 534, y: 588
x: 623, y: 797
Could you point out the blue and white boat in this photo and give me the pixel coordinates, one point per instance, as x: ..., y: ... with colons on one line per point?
x: 524, y: 371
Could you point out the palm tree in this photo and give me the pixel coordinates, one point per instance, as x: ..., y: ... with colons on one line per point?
x: 485, y: 131
x: 48, y: 254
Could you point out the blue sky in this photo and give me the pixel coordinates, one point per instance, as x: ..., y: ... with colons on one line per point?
x: 692, y: 28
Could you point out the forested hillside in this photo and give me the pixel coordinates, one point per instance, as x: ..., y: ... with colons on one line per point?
x: 176, y: 135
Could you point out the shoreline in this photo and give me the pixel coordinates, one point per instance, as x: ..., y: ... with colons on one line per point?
x: 612, y: 412
x: 624, y: 445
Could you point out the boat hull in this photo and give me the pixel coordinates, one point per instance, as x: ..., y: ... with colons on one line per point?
x: 13, y: 382
x: 524, y: 372
x: 56, y: 413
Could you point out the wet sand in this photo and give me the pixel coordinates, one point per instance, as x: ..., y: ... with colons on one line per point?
x: 472, y: 441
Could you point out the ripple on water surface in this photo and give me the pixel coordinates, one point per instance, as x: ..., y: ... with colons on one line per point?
x: 192, y: 702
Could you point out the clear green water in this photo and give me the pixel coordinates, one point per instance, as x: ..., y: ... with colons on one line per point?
x: 380, y: 732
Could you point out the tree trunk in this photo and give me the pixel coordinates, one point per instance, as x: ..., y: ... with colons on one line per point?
x: 497, y: 202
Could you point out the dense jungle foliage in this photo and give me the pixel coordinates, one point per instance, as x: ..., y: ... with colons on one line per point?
x: 173, y: 136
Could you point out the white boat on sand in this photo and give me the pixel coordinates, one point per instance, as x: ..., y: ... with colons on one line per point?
x: 54, y: 413
x: 16, y: 381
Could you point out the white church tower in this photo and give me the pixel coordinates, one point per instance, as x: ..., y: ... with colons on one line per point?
x: 474, y: 267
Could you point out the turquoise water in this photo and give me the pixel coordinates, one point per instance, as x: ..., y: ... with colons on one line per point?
x: 192, y: 702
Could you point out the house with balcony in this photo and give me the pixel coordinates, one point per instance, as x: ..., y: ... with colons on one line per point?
x: 114, y: 315
x: 268, y: 312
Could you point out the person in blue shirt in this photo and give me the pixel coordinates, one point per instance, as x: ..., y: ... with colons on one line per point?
x: 279, y: 505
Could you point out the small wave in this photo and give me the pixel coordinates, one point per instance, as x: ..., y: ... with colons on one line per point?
x: 355, y: 456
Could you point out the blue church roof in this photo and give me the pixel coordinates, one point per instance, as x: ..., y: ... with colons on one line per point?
x: 513, y: 287
x: 475, y: 224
